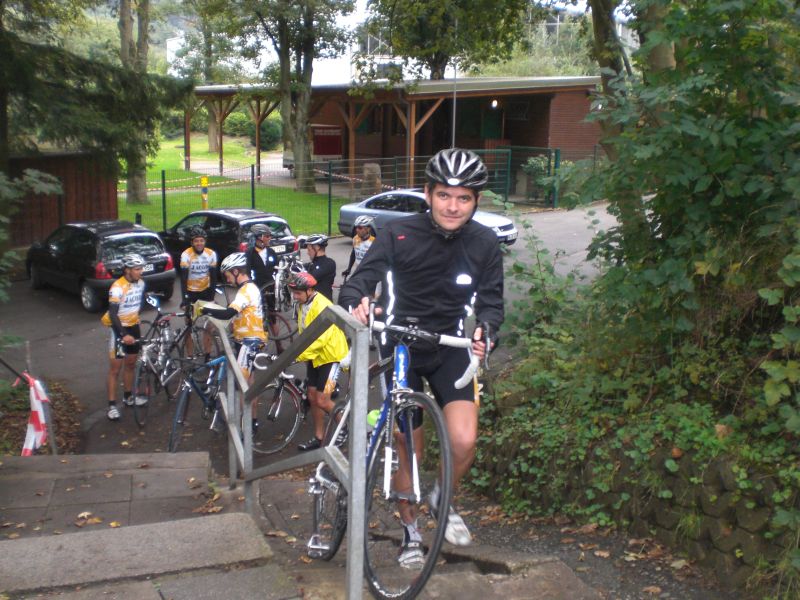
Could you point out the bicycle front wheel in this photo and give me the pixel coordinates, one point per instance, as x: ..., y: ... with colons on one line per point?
x: 330, y: 506
x: 179, y: 419
x: 145, y: 388
x: 280, y: 334
x: 383, y: 531
x: 278, y: 417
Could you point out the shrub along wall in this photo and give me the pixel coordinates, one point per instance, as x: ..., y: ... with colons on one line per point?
x: 717, y: 512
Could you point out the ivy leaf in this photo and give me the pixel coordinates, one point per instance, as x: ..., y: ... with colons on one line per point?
x: 774, y: 391
x: 772, y: 296
x: 671, y: 465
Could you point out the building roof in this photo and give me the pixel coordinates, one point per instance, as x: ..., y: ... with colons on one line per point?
x: 432, y: 88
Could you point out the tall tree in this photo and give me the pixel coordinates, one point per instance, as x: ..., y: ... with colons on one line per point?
x: 134, y: 15
x: 428, y: 35
x: 297, y: 31
x: 209, y: 54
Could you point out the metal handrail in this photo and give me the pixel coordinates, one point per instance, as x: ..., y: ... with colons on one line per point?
x: 351, y: 474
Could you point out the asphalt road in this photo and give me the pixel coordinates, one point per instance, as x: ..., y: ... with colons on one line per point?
x: 69, y: 345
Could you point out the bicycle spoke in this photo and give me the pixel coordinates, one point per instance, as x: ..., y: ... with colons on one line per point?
x: 383, y: 530
x: 278, y: 418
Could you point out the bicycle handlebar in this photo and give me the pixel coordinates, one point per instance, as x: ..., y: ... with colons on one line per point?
x: 437, y: 338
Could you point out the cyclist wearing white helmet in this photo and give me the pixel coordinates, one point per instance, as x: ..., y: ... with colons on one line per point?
x: 246, y: 314
x: 362, y: 241
x: 122, y: 316
x: 435, y: 264
x: 322, y: 267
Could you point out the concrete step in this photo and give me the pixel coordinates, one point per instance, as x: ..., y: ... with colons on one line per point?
x: 129, y: 553
x: 43, y: 495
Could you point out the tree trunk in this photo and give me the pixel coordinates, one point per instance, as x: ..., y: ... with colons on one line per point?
x: 611, y: 60
x: 213, y: 133
x: 4, y: 152
x: 133, y: 55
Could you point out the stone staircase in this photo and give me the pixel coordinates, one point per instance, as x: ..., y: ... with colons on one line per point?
x: 155, y: 526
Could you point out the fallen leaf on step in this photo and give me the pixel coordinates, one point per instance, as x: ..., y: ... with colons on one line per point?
x: 70, y: 489
x: 84, y: 515
x: 6, y: 524
x: 115, y: 524
x: 568, y: 540
x: 587, y: 546
x: 294, y: 517
x: 108, y: 474
x: 602, y: 553
x: 290, y: 539
x: 678, y: 564
x: 305, y: 559
x: 279, y: 534
x: 144, y: 466
x: 12, y: 536
x: 124, y: 443
x: 39, y: 493
x: 652, y: 589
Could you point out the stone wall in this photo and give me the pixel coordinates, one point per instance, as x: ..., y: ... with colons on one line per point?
x: 718, y: 514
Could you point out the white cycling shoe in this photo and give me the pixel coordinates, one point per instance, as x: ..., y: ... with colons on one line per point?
x: 456, y: 531
x: 113, y: 413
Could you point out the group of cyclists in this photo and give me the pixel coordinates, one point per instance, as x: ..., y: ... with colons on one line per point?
x: 429, y: 266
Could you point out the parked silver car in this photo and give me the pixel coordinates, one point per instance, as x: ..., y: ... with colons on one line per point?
x: 392, y: 205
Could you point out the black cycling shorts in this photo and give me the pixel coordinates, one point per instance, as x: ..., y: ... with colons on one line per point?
x: 117, y: 349
x: 323, y: 377
x: 441, y: 367
x: 207, y: 295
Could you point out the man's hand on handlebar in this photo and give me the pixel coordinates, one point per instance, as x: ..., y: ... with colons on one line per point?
x: 361, y: 311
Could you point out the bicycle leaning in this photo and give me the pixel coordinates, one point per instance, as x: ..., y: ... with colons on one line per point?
x: 396, y: 482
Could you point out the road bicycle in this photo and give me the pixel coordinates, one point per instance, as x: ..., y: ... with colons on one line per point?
x: 214, y: 372
x: 157, y: 367
x: 386, y: 497
x: 282, y: 407
x: 283, y: 296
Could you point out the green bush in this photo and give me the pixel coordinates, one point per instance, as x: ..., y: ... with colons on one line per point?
x: 237, y: 124
x: 172, y: 125
x: 271, y: 133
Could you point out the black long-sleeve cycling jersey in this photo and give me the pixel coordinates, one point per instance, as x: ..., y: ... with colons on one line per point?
x: 430, y: 277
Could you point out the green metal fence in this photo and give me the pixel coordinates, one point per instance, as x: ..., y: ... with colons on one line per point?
x: 174, y: 193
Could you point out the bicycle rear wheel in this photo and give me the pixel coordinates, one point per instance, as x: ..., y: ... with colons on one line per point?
x: 145, y: 388
x: 278, y: 418
x: 284, y: 336
x: 383, y: 531
x: 179, y: 419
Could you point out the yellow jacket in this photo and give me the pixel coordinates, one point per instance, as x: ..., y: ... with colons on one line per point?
x: 331, y: 346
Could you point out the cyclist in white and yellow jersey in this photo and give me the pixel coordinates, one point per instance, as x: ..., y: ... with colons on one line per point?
x: 198, y: 269
x: 362, y: 241
x: 124, y: 301
x: 246, y: 314
x: 198, y: 277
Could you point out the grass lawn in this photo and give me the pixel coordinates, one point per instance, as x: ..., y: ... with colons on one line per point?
x: 306, y: 213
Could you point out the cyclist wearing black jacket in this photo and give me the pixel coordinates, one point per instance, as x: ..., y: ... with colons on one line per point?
x: 322, y: 267
x: 434, y: 265
x: 262, y: 261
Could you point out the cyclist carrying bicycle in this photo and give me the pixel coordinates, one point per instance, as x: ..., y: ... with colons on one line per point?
x: 246, y: 313
x: 362, y: 241
x: 434, y: 265
x: 262, y: 261
x: 122, y: 316
x: 323, y: 355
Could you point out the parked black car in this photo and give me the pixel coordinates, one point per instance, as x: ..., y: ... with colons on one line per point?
x: 87, y: 258
x: 228, y: 231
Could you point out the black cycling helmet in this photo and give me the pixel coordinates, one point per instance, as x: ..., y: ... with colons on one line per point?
x: 457, y: 168
x: 317, y: 239
x: 260, y: 229
x: 301, y: 281
x: 196, y: 232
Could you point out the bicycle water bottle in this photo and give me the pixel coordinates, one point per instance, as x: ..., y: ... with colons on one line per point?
x: 372, y: 420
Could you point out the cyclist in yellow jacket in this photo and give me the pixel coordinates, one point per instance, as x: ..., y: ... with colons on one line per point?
x: 323, y: 355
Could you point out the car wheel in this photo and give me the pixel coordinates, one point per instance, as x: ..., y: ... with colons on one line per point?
x: 37, y: 282
x: 89, y: 298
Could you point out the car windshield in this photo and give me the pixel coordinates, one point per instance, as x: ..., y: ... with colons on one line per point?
x: 279, y: 228
x: 115, y: 247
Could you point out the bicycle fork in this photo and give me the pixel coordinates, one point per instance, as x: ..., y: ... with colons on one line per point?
x: 317, y: 487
